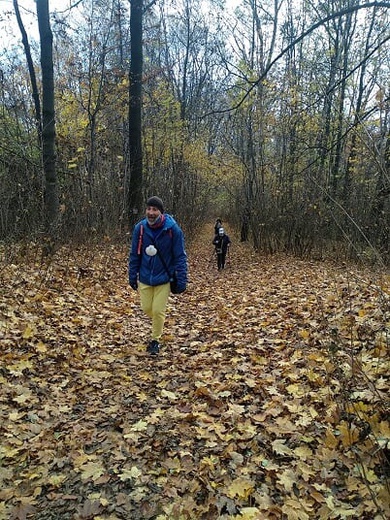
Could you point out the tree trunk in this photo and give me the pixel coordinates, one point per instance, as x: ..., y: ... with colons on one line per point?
x: 358, y: 115
x: 379, y: 211
x: 135, y: 118
x: 51, y: 204
x: 31, y: 71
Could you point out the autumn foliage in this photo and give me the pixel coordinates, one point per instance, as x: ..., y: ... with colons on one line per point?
x: 269, y: 399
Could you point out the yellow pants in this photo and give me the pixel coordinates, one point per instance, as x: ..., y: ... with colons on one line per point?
x: 154, y: 303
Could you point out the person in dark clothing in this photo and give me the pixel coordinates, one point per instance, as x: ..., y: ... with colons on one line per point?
x: 221, y: 243
x: 217, y: 225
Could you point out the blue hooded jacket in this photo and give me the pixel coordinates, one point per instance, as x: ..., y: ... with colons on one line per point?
x: 169, y: 240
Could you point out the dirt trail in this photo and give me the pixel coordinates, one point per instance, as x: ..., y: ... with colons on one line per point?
x: 239, y: 417
x: 256, y: 298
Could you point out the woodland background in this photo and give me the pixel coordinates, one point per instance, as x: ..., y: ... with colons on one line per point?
x: 270, y: 397
x: 275, y: 115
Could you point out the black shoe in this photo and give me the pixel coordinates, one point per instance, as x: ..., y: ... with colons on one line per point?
x: 153, y: 348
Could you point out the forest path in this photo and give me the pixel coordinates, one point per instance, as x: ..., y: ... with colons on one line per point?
x: 256, y: 300
x: 244, y: 414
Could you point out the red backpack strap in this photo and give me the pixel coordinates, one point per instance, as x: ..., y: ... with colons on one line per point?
x: 141, y: 233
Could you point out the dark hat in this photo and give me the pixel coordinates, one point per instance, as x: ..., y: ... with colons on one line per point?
x: 156, y: 202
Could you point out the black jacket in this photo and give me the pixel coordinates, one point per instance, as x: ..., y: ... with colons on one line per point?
x: 221, y: 243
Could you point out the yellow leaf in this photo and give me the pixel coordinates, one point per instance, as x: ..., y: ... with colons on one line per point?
x: 28, y: 332
x: 139, y: 426
x: 91, y: 470
x: 331, y: 441
x: 249, y: 513
x: 81, y: 458
x: 15, y: 416
x: 17, y: 368
x: 318, y: 497
x: 383, y: 430
x: 3, y: 511
x: 280, y: 447
x: 8, y: 452
x: 293, y: 510
x: 303, y: 452
x: 349, y: 434
x: 170, y: 395
x: 240, y: 487
x: 41, y: 347
x: 142, y: 397
x: 57, y: 480
x: 247, y: 430
x: 250, y: 382
x: 21, y: 399
x: 342, y: 512
x: 371, y: 476
x: 287, y: 479
x: 296, y: 390
x: 354, y: 484
x: 384, y: 498
x: 235, y: 409
x: 132, y: 473
x: 131, y: 437
x: 307, y: 470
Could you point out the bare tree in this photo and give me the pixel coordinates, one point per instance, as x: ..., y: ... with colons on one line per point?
x: 44, y: 112
x: 135, y: 111
x: 31, y: 71
x: 51, y: 202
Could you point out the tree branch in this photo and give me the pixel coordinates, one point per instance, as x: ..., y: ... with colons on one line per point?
x: 306, y: 33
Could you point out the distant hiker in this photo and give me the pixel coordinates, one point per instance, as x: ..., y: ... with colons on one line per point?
x: 217, y: 225
x: 222, y: 243
x: 157, y: 253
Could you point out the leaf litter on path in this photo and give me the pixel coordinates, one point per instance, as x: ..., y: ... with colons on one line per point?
x: 269, y: 399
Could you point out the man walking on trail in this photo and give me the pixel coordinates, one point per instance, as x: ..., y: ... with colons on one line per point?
x: 221, y: 243
x: 157, y: 254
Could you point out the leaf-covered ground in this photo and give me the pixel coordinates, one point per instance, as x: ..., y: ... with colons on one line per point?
x: 269, y: 399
